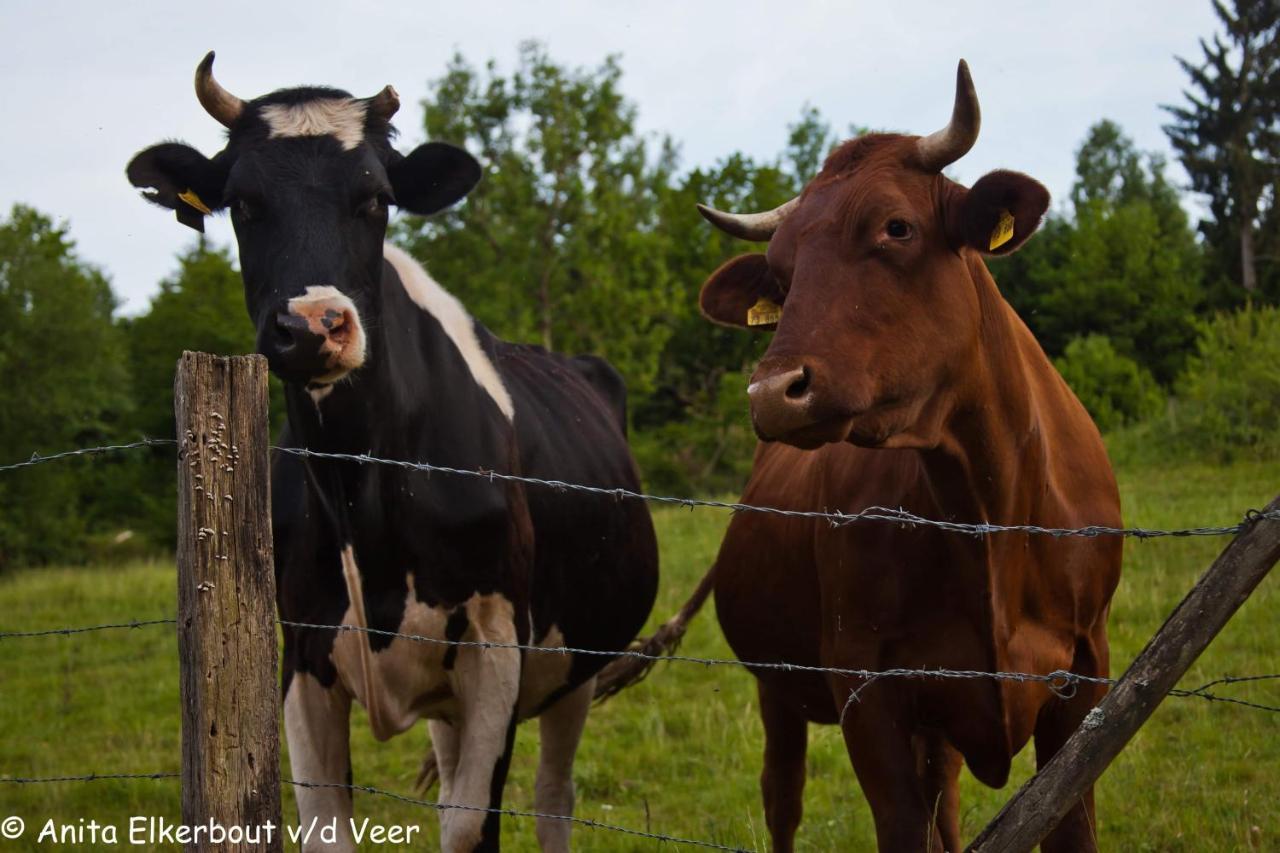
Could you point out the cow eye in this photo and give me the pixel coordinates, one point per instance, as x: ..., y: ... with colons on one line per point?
x: 897, y: 229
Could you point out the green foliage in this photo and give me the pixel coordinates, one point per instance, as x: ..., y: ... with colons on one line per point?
x: 561, y: 242
x: 1125, y: 265
x: 708, y: 450
x: 1115, y: 389
x: 1228, y: 400
x: 1227, y: 135
x: 200, y: 308
x: 65, y: 385
x: 581, y: 237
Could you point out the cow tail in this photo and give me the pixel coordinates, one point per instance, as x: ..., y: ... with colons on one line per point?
x: 622, y: 672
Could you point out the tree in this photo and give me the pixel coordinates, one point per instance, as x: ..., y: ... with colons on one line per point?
x: 809, y: 141
x: 561, y: 241
x: 1123, y: 263
x: 65, y: 385
x: 1228, y: 137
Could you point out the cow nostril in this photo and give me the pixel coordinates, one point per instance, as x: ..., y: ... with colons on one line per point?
x: 799, y: 386
x: 284, y: 329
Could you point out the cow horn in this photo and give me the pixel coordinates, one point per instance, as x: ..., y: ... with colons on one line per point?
x: 385, y: 103
x: 749, y: 226
x: 217, y: 101
x: 938, y: 150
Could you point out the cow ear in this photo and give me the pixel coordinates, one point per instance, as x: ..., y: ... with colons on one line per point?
x: 433, y: 176
x: 999, y: 212
x: 743, y: 293
x: 180, y: 178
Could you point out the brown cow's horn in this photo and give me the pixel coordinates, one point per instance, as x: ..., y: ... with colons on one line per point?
x: 749, y: 226
x: 385, y: 103
x: 938, y: 150
x: 217, y: 101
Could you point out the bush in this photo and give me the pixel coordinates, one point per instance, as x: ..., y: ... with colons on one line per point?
x: 1114, y: 388
x: 709, y: 452
x: 1228, y: 398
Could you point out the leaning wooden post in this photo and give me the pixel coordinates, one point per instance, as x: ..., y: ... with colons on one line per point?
x: 1038, y: 806
x: 226, y: 602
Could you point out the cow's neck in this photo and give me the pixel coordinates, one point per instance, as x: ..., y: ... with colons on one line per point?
x: 414, y: 399
x: 991, y: 460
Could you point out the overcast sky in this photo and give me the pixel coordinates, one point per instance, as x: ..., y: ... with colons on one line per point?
x: 87, y: 84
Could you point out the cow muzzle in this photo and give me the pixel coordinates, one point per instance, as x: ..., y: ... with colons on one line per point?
x: 317, y: 339
x: 788, y: 405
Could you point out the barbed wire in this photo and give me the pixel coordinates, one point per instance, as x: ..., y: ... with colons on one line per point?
x: 48, y: 632
x: 1061, y: 682
x: 414, y: 801
x: 835, y: 519
x: 37, y: 459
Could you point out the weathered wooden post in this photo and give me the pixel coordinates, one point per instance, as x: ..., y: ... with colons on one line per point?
x: 1038, y: 805
x: 226, y: 604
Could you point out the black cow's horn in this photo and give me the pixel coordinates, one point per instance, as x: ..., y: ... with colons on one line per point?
x: 939, y: 150
x: 385, y: 103
x: 749, y: 226
x: 217, y: 101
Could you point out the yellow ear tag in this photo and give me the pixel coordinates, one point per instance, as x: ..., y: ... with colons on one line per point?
x: 764, y: 312
x: 1003, y: 232
x: 192, y: 199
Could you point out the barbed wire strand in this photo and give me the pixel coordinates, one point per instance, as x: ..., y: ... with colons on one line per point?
x: 1061, y: 682
x: 37, y: 459
x: 414, y: 801
x: 835, y: 519
x: 49, y: 632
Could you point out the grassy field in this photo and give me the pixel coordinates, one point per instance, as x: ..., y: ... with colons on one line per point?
x: 680, y: 753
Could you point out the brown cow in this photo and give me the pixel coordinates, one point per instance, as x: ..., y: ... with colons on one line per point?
x: 899, y: 376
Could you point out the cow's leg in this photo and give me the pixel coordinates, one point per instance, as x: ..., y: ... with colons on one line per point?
x: 939, y: 767
x: 1058, y: 720
x: 444, y: 743
x: 487, y: 684
x: 559, y: 730
x: 317, y: 727
x: 786, y: 735
x: 878, y: 737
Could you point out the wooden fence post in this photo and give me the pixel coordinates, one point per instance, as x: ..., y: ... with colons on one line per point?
x: 226, y: 603
x: 1038, y: 805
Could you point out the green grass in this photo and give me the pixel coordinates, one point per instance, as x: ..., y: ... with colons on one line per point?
x: 680, y: 753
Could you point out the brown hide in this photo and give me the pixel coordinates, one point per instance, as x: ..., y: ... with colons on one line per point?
x: 899, y: 377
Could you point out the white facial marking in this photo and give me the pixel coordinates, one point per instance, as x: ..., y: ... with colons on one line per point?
x: 341, y: 118
x: 428, y: 295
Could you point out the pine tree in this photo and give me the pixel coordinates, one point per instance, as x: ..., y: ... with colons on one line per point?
x: 1227, y: 136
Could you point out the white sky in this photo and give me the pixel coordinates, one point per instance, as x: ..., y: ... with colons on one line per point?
x: 87, y: 84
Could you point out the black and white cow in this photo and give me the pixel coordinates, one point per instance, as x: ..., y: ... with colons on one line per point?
x: 379, y: 358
